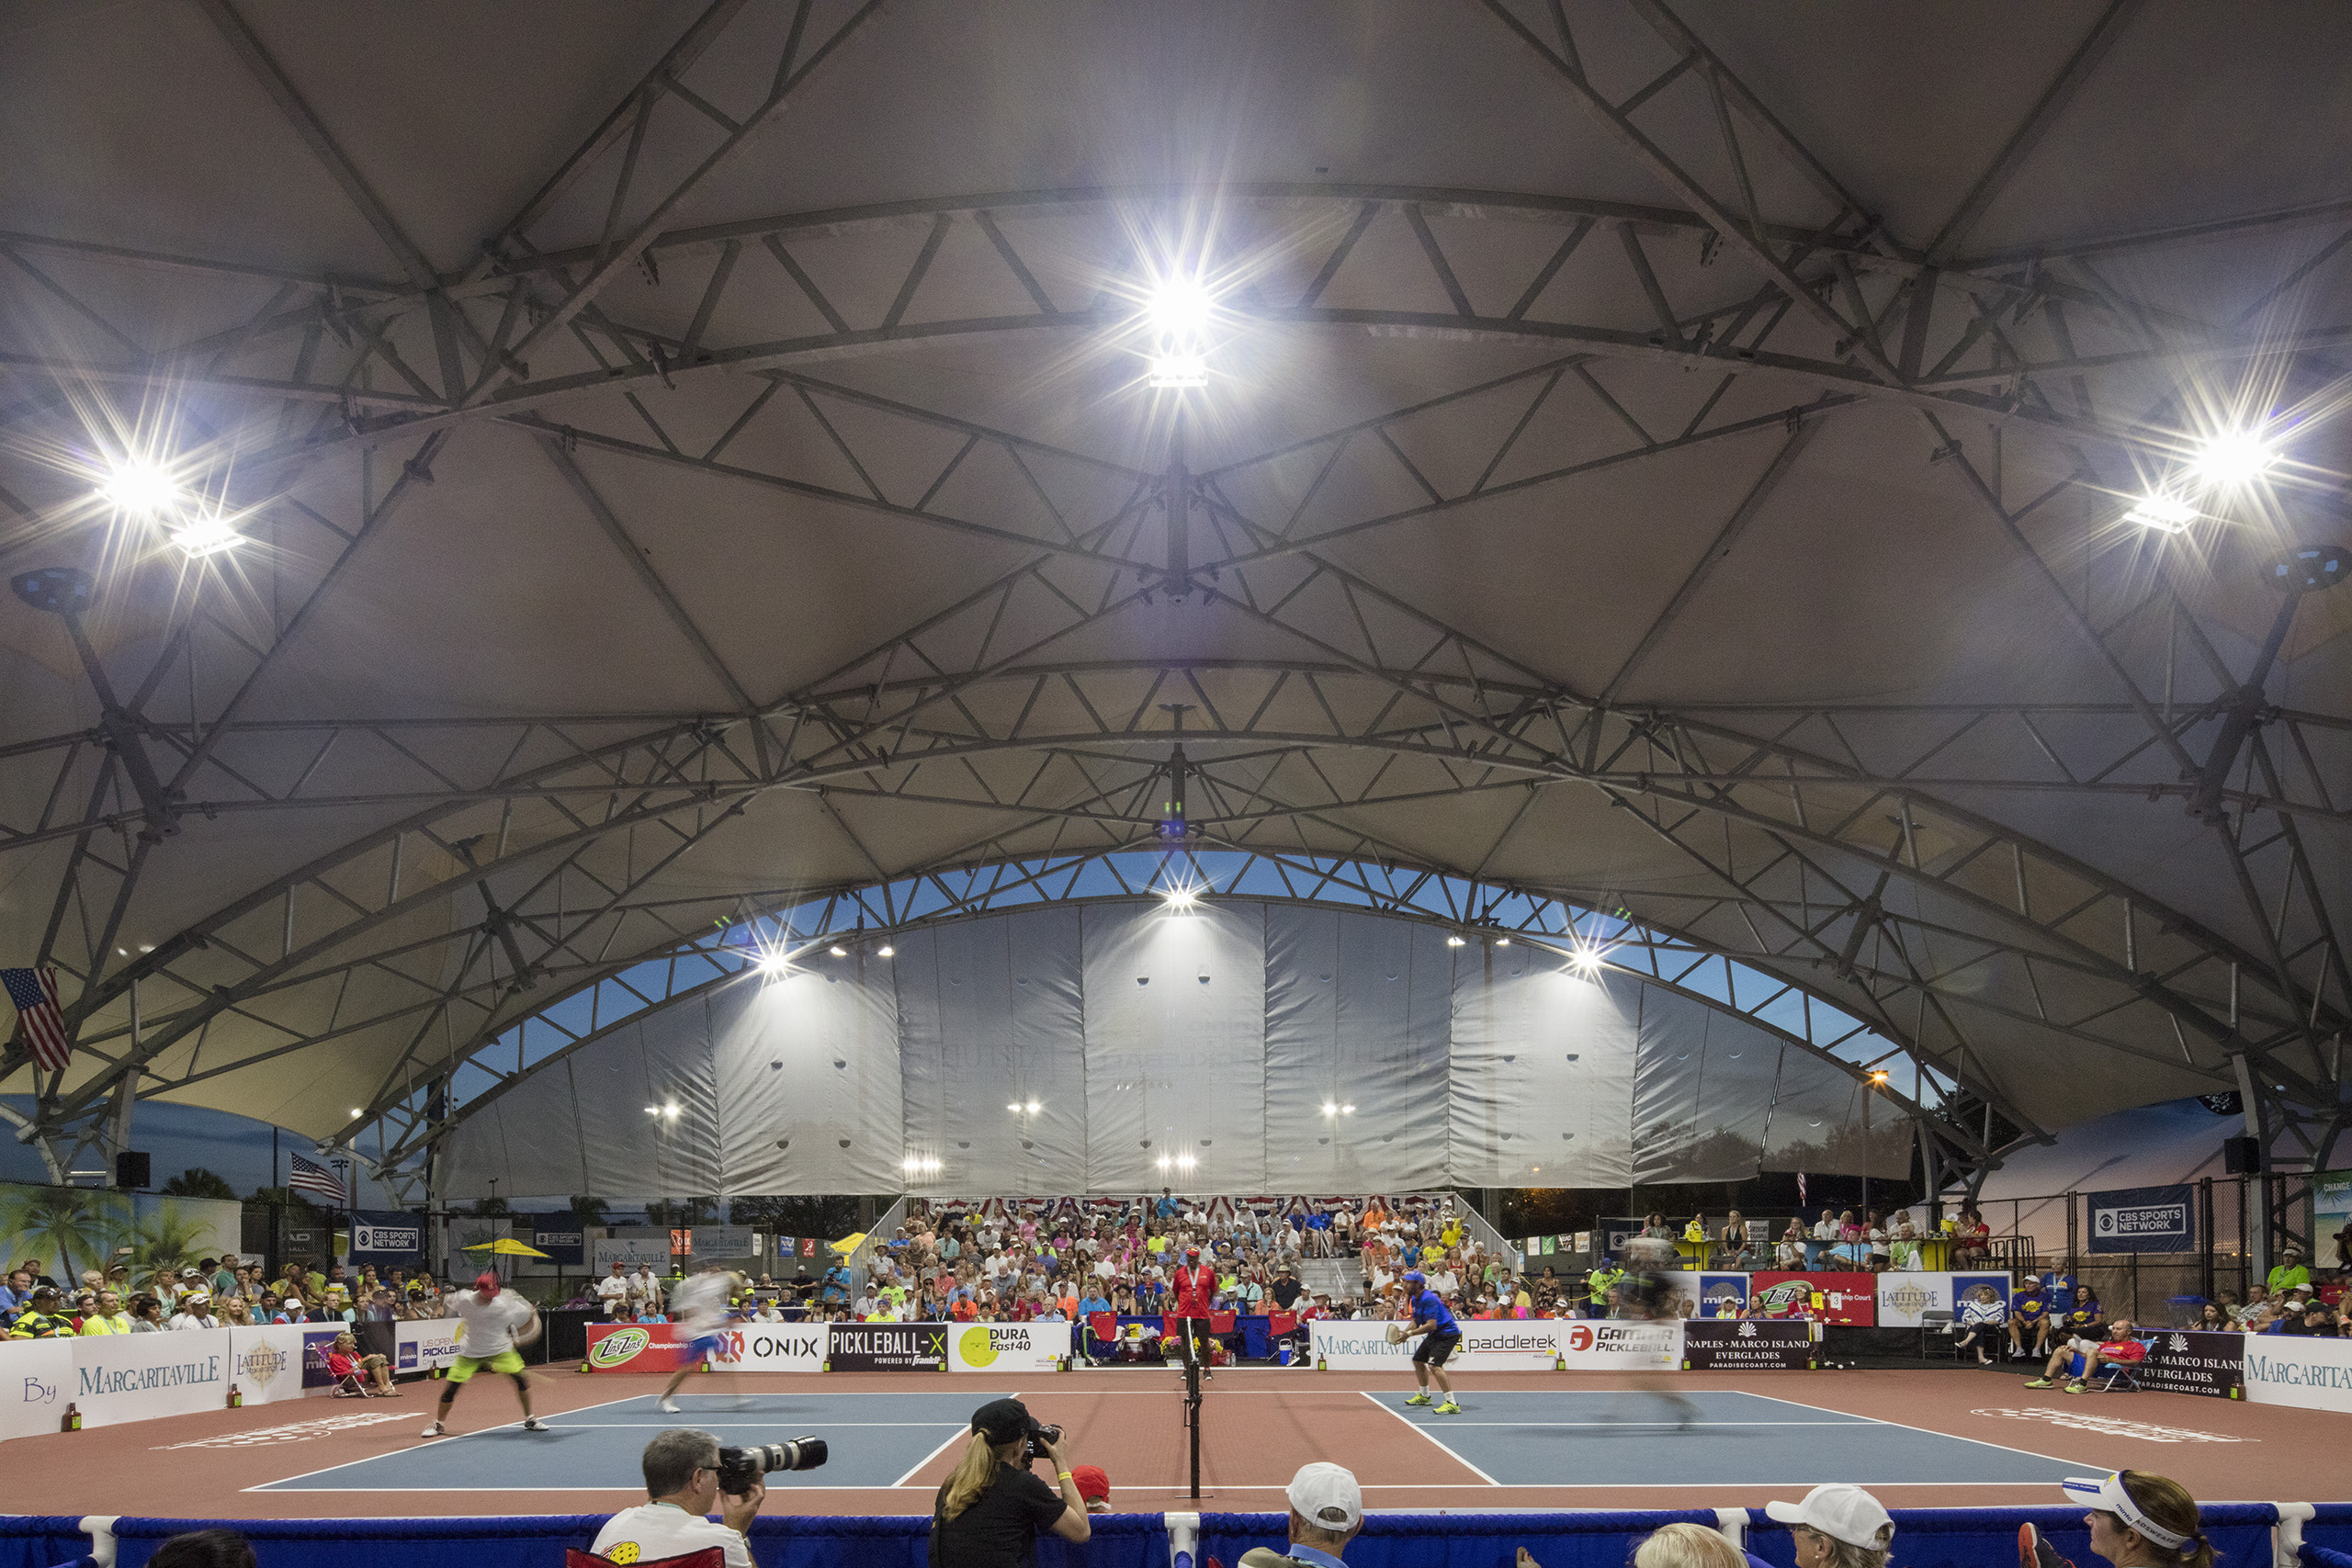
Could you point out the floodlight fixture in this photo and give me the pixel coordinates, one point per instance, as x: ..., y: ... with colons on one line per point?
x: 1181, y: 899
x: 1878, y: 1076
x: 774, y: 961
x: 1347, y: 1110
x: 1032, y: 1108
x: 1457, y: 942
x: 1330, y: 1108
x: 885, y: 951
x: 653, y: 1110
x: 1014, y: 1107
x: 207, y: 536
x: 141, y: 489
x: 838, y: 950
x: 2165, y: 513
x: 2233, y: 458
x: 1179, y: 307
x: 1162, y: 1162
x: 1176, y: 371
x: 1502, y: 941
x: 1185, y: 1162
x: 671, y: 1110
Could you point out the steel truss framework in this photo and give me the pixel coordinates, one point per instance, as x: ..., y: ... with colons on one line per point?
x: 1856, y: 853
x: 412, y: 1130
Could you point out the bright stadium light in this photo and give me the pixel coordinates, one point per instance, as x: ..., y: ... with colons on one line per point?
x: 1179, y: 307
x: 1347, y: 1110
x: 2233, y: 457
x: 838, y: 950
x: 357, y: 1112
x: 207, y: 536
x: 1330, y: 1108
x: 2165, y: 513
x: 1185, y: 1162
x: 885, y: 951
x: 1181, y: 899
x: 775, y: 962
x: 1177, y: 371
x: 1162, y: 1162
x: 1502, y: 941
x: 1015, y: 1108
x: 671, y: 1110
x: 653, y: 1110
x: 1457, y: 942
x: 140, y: 487
x: 1032, y: 1108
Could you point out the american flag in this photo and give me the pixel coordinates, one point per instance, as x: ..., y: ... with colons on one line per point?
x: 38, y: 1017
x: 310, y: 1176
x: 1801, y: 1197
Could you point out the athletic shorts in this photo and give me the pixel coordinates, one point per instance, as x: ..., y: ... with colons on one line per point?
x: 701, y: 1348
x: 507, y: 1361
x: 1436, y: 1345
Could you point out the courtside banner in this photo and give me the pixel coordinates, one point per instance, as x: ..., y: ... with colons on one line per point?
x: 636, y: 1251
x: 2282, y: 1369
x: 1711, y: 1294
x: 631, y: 1348
x: 1848, y: 1299
x: 2142, y: 1219
x: 1007, y: 1346
x: 1905, y: 1297
x: 1748, y: 1347
x: 36, y: 1384
x: 771, y: 1348
x: 266, y: 1363
x: 2186, y: 1362
x: 1605, y: 1346
x: 888, y: 1347
x: 1352, y: 1345
x: 134, y: 1377
x: 422, y: 1346
x: 1488, y: 1345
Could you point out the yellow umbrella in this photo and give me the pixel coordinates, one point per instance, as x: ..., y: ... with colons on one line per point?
x: 505, y: 1246
x: 848, y: 1244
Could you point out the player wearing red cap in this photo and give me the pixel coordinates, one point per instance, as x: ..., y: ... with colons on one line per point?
x: 494, y: 1322
x: 1196, y: 1296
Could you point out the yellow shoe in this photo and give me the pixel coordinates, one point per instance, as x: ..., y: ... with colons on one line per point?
x: 1448, y: 1408
x: 1417, y: 1399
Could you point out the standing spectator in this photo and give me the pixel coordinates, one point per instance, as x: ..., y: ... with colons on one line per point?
x: 2289, y: 1272
x: 1836, y: 1526
x: 1326, y: 1512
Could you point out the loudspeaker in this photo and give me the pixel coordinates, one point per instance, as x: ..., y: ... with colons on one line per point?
x: 133, y: 1171
x: 2241, y: 1157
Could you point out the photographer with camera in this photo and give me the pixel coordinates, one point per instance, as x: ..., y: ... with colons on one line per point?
x: 990, y: 1511
x: 686, y: 1472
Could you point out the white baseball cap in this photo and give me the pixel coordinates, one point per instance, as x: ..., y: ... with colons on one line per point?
x: 1841, y: 1512
x: 2106, y: 1493
x: 1326, y: 1497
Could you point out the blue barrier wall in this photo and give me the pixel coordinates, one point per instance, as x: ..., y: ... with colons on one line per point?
x: 38, y: 1541
x: 2332, y: 1528
x: 1594, y: 1539
x: 1974, y: 1538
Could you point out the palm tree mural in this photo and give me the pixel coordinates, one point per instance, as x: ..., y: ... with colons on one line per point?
x: 74, y: 1227
x: 162, y: 1241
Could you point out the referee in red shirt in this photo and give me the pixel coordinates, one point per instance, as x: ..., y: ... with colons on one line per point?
x: 1195, y: 1296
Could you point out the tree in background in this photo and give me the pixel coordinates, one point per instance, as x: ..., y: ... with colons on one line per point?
x: 491, y: 1208
x: 827, y: 1217
x: 74, y: 1225
x: 684, y: 1212
x: 590, y: 1211
x: 198, y: 1183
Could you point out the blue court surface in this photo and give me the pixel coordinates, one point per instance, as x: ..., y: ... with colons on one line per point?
x: 874, y: 1440
x: 1570, y: 1438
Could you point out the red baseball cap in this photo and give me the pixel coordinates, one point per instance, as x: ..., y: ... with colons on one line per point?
x: 1191, y: 1252
x: 1092, y: 1485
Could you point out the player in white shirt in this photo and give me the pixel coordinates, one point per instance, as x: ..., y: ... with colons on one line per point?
x: 493, y: 1321
x: 702, y: 1303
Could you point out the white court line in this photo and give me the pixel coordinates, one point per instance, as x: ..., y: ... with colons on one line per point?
x: 943, y: 1447
x: 1906, y: 1427
x: 1424, y: 1432
x: 1678, y: 1425
x: 452, y: 1438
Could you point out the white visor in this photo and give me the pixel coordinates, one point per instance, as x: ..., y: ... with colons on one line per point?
x: 2105, y: 1493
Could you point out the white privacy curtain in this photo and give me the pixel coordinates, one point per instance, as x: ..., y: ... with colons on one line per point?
x: 1216, y: 1036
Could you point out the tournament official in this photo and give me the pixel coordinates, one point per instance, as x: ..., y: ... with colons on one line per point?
x: 1195, y: 1285
x: 1433, y: 1321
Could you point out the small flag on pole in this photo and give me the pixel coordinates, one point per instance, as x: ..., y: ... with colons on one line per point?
x: 1801, y: 1197
x: 310, y: 1176
x: 38, y: 1018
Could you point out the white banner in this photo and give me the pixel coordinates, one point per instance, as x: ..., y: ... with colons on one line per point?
x: 420, y: 1347
x: 36, y: 1382
x: 2283, y: 1368
x: 651, y: 1251
x: 1600, y: 1346
x: 1902, y: 1298
x: 1005, y: 1347
x: 265, y: 1364
x: 771, y: 1347
x: 1488, y: 1345
x: 131, y: 1377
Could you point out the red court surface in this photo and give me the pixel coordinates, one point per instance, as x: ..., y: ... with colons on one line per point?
x: 1260, y: 1425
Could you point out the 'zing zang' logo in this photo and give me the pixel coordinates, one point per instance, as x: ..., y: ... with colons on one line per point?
x: 1778, y: 1300
x: 618, y: 1348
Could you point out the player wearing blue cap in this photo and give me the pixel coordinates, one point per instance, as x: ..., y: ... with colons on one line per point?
x: 1433, y: 1320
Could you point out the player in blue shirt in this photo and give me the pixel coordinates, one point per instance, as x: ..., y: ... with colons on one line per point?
x: 1433, y: 1320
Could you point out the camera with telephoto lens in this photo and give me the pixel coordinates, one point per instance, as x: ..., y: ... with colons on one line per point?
x: 738, y: 1468
x: 1039, y: 1436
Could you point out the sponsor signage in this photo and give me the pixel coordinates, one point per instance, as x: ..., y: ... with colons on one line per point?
x: 1602, y: 1346
x: 422, y: 1346
x: 1488, y: 1345
x: 2186, y: 1362
x: 36, y: 1384
x: 722, y: 1242
x: 316, y: 1343
x: 1848, y: 1298
x: 1905, y: 1299
x: 379, y: 1236
x: 771, y: 1347
x: 888, y: 1347
x: 2142, y: 1219
x: 266, y: 1363
x: 2286, y: 1369
x: 134, y: 1377
x: 631, y: 1347
x: 1007, y: 1346
x: 1748, y: 1345
x: 562, y: 1238
x: 635, y: 1251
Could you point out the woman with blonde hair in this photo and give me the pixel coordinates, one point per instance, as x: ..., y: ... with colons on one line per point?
x: 1837, y: 1526
x: 1683, y: 1545
x: 991, y: 1510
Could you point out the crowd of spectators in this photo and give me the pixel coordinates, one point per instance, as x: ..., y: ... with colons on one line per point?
x: 214, y: 1292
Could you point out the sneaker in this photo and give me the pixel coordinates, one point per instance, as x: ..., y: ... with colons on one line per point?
x: 432, y: 1431
x: 1448, y: 1408
x: 533, y: 1424
x: 669, y: 1406
x: 1417, y: 1399
x: 2071, y: 1388
x: 2041, y: 1383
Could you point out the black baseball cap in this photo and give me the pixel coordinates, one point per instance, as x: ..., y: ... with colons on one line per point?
x: 1001, y: 1420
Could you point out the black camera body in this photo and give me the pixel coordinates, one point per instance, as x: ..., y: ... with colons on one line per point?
x: 1039, y: 1436
x: 738, y: 1468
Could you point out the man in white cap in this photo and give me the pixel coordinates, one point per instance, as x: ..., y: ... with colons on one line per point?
x: 1837, y: 1526
x: 1326, y: 1512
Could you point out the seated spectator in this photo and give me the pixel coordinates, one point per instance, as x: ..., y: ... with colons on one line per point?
x: 2029, y: 1318
x: 2085, y: 1318
x: 204, y: 1548
x: 2211, y: 1317
x: 146, y: 1315
x: 1684, y: 1545
x: 1326, y: 1512
x: 2119, y: 1347
x: 2137, y: 1517
x: 1836, y: 1526
x: 1979, y: 1320
x: 1823, y: 1241
x: 1092, y: 1485
x: 196, y: 1312
x: 42, y: 1318
x: 357, y: 1376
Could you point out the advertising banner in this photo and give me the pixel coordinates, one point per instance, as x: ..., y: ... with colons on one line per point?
x: 631, y: 1347
x: 1903, y: 1299
x: 1711, y: 1294
x: 888, y: 1347
x: 1007, y: 1346
x: 1604, y: 1347
x: 1503, y: 1346
x: 1848, y: 1298
x: 2190, y: 1362
x: 386, y: 1236
x: 1748, y: 1347
x: 2332, y: 1216
x: 36, y: 1384
x: 135, y: 1377
x: 2142, y: 1219
x: 771, y: 1347
x: 561, y: 1237
x: 2315, y: 1373
x: 721, y: 1242
x: 635, y: 1251
x: 265, y: 1364
x: 420, y: 1347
